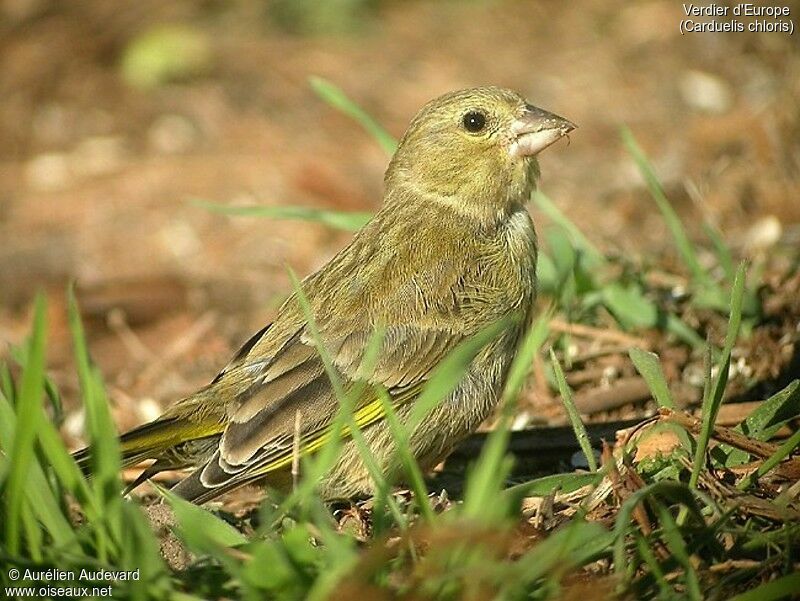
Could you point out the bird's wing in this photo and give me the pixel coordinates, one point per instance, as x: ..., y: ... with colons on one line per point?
x: 260, y: 433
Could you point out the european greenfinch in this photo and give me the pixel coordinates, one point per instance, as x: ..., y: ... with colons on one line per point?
x: 451, y: 252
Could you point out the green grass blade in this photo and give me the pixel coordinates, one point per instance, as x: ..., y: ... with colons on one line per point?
x: 62, y: 464
x: 657, y: 573
x: 350, y: 221
x: 448, y: 374
x: 29, y: 415
x: 105, y: 449
x: 38, y: 492
x: 487, y: 477
x: 523, y: 360
x: 783, y: 451
x: 400, y: 434
x: 335, y: 97
x: 366, y: 369
x: 713, y: 401
x: 204, y: 533
x: 674, y: 491
x: 677, y: 327
x: 759, y: 540
x: 572, y: 412
x: 767, y: 418
x: 201, y: 529
x: 707, y: 380
x: 649, y: 367
x: 482, y: 498
x: 33, y: 534
x: 7, y: 387
x: 785, y: 587
x: 565, y: 483
x: 567, y: 547
x: 674, y: 224
x: 66, y: 471
x: 722, y: 250
x: 677, y: 545
x: 629, y: 306
x: 780, y: 407
x: 549, y: 208
x: 451, y: 370
x: 315, y: 467
x: 141, y: 551
x: 102, y: 435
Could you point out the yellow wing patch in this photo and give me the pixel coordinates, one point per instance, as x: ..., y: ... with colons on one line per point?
x: 312, y: 442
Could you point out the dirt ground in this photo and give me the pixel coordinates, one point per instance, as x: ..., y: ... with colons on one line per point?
x: 97, y: 175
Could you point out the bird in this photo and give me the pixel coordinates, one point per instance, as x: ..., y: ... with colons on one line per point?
x: 451, y: 251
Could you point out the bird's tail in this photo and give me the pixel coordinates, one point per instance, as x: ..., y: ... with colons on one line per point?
x: 155, y: 440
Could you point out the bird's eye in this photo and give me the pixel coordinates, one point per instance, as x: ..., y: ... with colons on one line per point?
x: 474, y: 121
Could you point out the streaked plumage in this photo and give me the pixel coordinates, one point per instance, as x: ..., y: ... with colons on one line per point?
x: 452, y: 251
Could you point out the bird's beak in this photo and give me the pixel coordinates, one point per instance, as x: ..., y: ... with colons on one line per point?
x: 535, y: 130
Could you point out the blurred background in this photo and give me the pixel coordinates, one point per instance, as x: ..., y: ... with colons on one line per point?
x: 115, y: 116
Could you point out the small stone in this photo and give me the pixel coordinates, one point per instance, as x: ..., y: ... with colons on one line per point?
x: 172, y: 134
x: 51, y: 125
x: 149, y: 409
x: 180, y: 239
x: 521, y: 421
x: 75, y: 424
x: 706, y: 92
x: 98, y: 155
x: 763, y: 234
x: 48, y: 172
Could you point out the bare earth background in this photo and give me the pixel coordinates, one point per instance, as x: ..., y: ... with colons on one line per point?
x: 97, y: 174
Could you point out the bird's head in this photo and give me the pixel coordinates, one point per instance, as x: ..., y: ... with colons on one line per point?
x: 475, y: 149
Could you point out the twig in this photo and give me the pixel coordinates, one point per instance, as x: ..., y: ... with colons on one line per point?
x: 603, y: 351
x: 735, y: 564
x: 622, y: 392
x: 721, y: 434
x: 585, y: 376
x: 584, y: 331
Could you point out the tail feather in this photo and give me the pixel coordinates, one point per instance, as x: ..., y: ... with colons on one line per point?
x: 155, y: 440
x: 193, y: 490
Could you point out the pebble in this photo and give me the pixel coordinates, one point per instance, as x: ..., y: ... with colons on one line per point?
x: 98, y: 155
x: 149, y: 409
x: 763, y: 234
x: 48, y: 172
x: 706, y: 92
x: 172, y: 134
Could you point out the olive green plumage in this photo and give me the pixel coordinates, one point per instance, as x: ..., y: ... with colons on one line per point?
x: 452, y: 251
